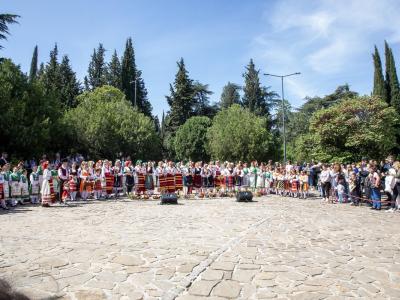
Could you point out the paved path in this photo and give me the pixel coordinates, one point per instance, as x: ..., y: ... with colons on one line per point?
x: 214, y: 249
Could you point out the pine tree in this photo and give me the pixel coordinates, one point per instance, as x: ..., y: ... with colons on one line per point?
x: 202, y: 106
x: 114, y: 71
x: 162, y: 126
x: 157, y: 124
x: 379, y: 81
x: 254, y: 96
x: 142, y: 102
x: 70, y: 87
x: 51, y: 77
x: 97, y: 69
x: 181, y: 101
x: 392, y: 81
x: 128, y: 72
x: 34, y: 65
x: 230, y: 95
x: 40, y: 71
x: 5, y: 20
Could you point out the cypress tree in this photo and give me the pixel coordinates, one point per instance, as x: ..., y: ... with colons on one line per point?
x: 230, y: 95
x: 70, y: 87
x: 97, y: 69
x: 128, y: 72
x: 114, y: 71
x: 181, y: 101
x: 253, y: 98
x: 162, y: 126
x: 392, y: 81
x: 34, y: 65
x: 379, y: 81
x: 51, y: 76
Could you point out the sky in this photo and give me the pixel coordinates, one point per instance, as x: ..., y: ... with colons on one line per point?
x: 329, y: 41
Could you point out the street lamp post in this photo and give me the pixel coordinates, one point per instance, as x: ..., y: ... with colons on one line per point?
x: 283, y: 110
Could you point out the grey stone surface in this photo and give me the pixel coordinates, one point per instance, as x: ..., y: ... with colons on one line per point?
x: 210, y: 248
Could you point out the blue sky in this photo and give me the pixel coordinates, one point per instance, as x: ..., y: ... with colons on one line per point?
x: 329, y: 41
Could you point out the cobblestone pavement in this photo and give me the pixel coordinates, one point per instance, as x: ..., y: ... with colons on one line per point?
x: 215, y: 249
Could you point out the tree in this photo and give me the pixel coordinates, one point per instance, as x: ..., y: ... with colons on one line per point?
x: 392, y: 82
x: 97, y: 69
x: 51, y: 77
x: 230, y: 95
x: 111, y: 127
x: 379, y: 82
x: 191, y: 139
x: 34, y: 65
x: 5, y: 20
x: 132, y: 82
x: 29, y: 116
x: 70, y: 87
x: 114, y: 71
x: 181, y: 100
x: 202, y: 106
x: 237, y: 134
x: 353, y: 128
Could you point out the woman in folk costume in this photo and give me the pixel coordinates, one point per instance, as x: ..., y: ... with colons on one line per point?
x: 187, y: 178
x: 15, y: 187
x: 238, y: 177
x: 170, y: 177
x: 40, y: 174
x: 253, y: 176
x: 63, y: 176
x: 117, y: 172
x: 303, y: 179
x: 260, y: 185
x: 179, y: 177
x: 34, y: 185
x: 98, y: 189
x: 46, y: 189
x: 218, y: 178
x: 149, y: 182
x: 268, y: 180
x: 6, y: 186
x: 107, y: 178
x: 245, y: 176
x: 55, y: 183
x: 24, y: 184
x: 207, y: 179
x: 3, y: 191
x: 129, y: 177
x: 160, y: 179
x: 86, y: 181
x: 294, y: 183
x: 280, y: 182
x: 140, y: 180
x: 229, y: 174
x: 197, y: 177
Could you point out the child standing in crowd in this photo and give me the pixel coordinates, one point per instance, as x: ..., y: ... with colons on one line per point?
x: 24, y: 186
x: 73, y: 185
x: 340, y: 192
x: 98, y: 190
x: 34, y: 186
x: 355, y: 189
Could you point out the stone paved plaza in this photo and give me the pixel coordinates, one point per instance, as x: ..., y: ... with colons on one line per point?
x: 216, y: 249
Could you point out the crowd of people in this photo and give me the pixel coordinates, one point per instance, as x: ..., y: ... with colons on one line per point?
x: 62, y: 180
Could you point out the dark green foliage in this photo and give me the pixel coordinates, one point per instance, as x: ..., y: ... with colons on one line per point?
x: 230, y: 95
x: 33, y: 72
x: 114, y: 71
x: 70, y: 87
x: 97, y: 69
x: 379, y: 89
x: 392, y: 82
x: 5, y: 20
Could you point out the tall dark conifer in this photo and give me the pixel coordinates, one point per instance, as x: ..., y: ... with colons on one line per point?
x: 34, y: 65
x: 392, y: 81
x: 128, y: 72
x: 97, y: 69
x: 230, y: 95
x: 181, y: 100
x: 379, y: 81
x: 254, y: 97
x: 114, y: 71
x: 51, y: 77
x: 70, y: 87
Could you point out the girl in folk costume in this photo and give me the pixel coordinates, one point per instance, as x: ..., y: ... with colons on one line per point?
x: 286, y: 183
x: 129, y: 179
x: 55, y: 184
x: 303, y: 180
x: 238, y: 177
x: 65, y: 192
x: 187, y: 179
x: 280, y: 182
x: 40, y: 174
x: 267, y: 180
x: 15, y: 187
x: 294, y: 183
x: 6, y: 173
x: 3, y: 184
x: 73, y: 185
x: 160, y: 180
x: 229, y: 174
x: 98, y: 190
x: 179, y: 177
x: 24, y: 184
x: 260, y: 185
x: 34, y: 187
x: 117, y: 173
x: 207, y: 179
x: 218, y: 178
x: 107, y: 178
x: 253, y: 175
x: 140, y: 179
x: 149, y: 181
x: 245, y: 178
x: 197, y: 177
x: 86, y: 181
x: 170, y: 177
x: 46, y: 189
x: 63, y: 176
